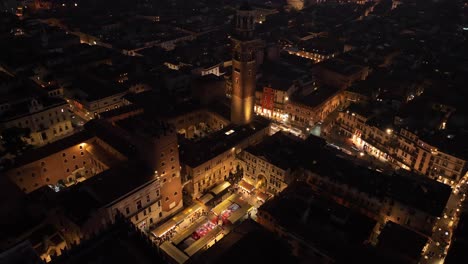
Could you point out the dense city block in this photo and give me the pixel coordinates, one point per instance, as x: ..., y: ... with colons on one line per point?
x: 232, y: 131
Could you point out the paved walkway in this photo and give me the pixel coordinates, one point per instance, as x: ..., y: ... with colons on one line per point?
x: 439, y: 243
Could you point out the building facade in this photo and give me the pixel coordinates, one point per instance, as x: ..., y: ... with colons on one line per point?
x: 401, y: 147
x: 218, y: 157
x: 47, y: 121
x: 63, y: 163
x: 198, y: 123
x: 271, y: 102
x: 306, y: 109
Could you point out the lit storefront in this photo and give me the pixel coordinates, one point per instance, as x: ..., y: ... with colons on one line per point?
x: 273, y: 114
x: 267, y: 108
x: 375, y: 152
x: 368, y: 148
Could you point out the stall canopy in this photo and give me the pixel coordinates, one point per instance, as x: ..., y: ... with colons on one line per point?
x: 176, y: 254
x: 178, y: 238
x: 246, y: 186
x: 164, y: 228
x: 262, y: 196
x: 202, y: 242
x: 177, y: 219
x: 238, y: 214
x: 180, y: 217
x: 206, y: 198
x: 220, y: 188
x: 225, y: 204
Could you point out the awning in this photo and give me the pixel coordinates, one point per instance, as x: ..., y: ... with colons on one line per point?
x: 164, y: 228
x: 225, y: 204
x: 206, y: 198
x: 176, y: 254
x: 239, y: 213
x: 220, y: 188
x: 246, y: 186
x: 202, y: 242
x: 180, y: 217
x: 178, y: 238
x: 262, y: 196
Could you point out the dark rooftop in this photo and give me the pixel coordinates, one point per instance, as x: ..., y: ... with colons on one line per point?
x: 195, y: 153
x: 82, y: 199
x: 283, y: 74
x: 5, y: 78
x: 146, y: 126
x: 22, y: 253
x: 248, y: 243
x: 333, y: 229
x: 245, y: 6
x: 341, y: 66
x: 315, y: 97
x: 113, y: 136
x: 401, y: 243
x: 161, y: 105
x: 366, y: 111
x: 95, y: 90
x: 119, y: 243
x: 412, y: 190
x: 279, y: 149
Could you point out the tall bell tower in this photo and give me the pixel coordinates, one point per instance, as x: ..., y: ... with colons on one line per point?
x: 244, y: 67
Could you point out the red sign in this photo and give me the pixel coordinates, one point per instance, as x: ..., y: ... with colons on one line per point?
x: 268, y: 99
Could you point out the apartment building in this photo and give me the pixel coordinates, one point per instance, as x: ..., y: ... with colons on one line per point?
x: 46, y: 118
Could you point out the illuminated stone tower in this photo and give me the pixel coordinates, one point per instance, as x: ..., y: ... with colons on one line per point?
x: 243, y: 67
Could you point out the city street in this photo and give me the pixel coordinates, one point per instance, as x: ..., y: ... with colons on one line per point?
x: 437, y: 248
x: 80, y: 115
x: 344, y: 148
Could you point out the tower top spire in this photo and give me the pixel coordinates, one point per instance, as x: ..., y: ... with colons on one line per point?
x: 245, y: 22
